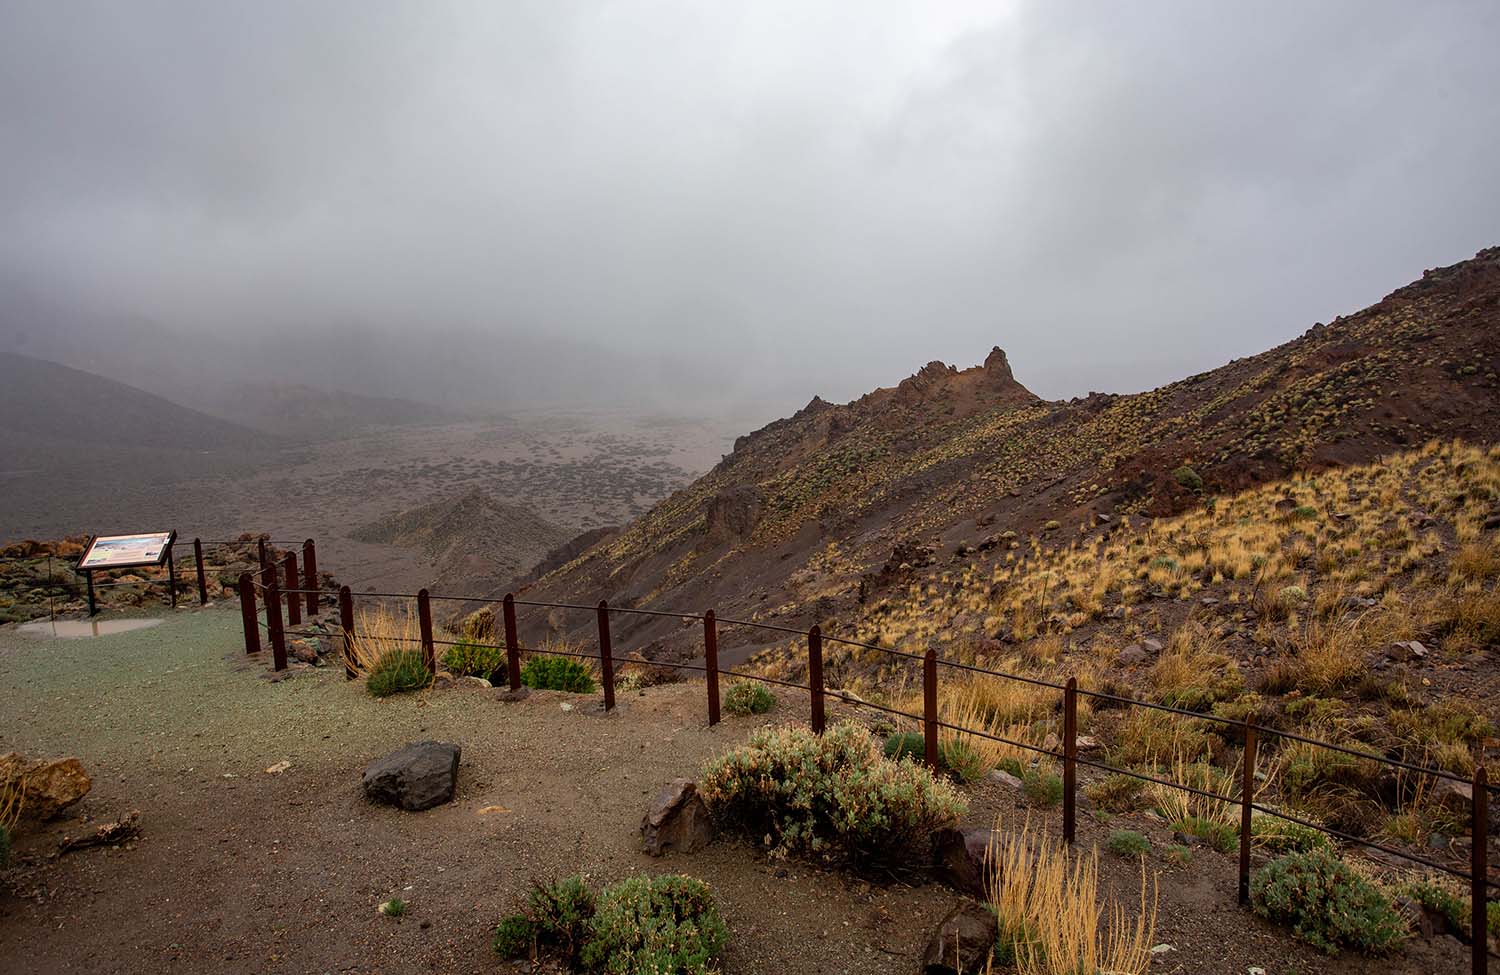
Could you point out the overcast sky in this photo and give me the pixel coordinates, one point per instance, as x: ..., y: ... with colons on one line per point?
x: 745, y: 202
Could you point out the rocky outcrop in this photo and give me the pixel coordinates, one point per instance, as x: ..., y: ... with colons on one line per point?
x: 415, y: 777
x: 677, y: 820
x: 734, y: 512
x: 48, y: 786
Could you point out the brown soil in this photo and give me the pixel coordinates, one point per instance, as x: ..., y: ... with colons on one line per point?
x: 239, y: 870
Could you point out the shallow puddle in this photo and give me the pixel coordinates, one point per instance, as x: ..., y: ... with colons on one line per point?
x: 68, y: 629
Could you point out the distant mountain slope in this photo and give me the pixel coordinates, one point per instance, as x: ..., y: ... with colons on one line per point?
x: 816, y: 512
x: 46, y: 406
x: 474, y: 543
x: 303, y: 412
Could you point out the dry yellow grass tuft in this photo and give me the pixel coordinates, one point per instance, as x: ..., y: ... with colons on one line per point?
x: 379, y: 631
x: 1051, y: 919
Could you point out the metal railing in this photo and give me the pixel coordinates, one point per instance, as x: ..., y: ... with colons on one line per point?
x: 273, y: 594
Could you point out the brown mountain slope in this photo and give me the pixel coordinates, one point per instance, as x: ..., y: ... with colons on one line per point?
x: 474, y: 543
x: 813, y: 513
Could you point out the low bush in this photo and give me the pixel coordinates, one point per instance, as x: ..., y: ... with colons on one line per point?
x: 395, y: 907
x: 469, y: 659
x: 655, y: 926
x: 1128, y: 843
x: 1442, y: 898
x: 1284, y: 836
x: 960, y: 760
x: 748, y: 697
x: 1221, y: 836
x: 1042, y: 788
x: 396, y: 671
x: 833, y: 795
x: 1327, y: 904
x: 664, y: 925
x: 1188, y: 478
x: 906, y: 744
x: 557, y: 674
x: 1116, y: 793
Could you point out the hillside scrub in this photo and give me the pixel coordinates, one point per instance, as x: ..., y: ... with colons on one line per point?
x: 834, y: 796
x: 1327, y: 904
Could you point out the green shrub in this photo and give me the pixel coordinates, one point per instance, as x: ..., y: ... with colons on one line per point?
x: 557, y: 674
x: 906, y: 744
x: 1178, y: 854
x: 1492, y: 918
x: 666, y: 925
x: 961, y: 760
x: 396, y: 671
x: 1188, y: 478
x: 1326, y: 904
x: 748, y: 697
x: 1453, y: 906
x: 514, y: 936
x: 395, y: 907
x: 1128, y: 843
x: 1223, y: 837
x: 559, y: 914
x: 831, y: 794
x: 468, y: 659
x: 1041, y: 788
x: 1305, y: 511
x: 1284, y: 836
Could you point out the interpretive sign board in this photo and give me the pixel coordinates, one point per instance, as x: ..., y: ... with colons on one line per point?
x: 123, y: 551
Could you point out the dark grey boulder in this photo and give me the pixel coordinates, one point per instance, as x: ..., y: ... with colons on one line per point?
x: 415, y: 777
x: 963, y: 942
x: 677, y: 820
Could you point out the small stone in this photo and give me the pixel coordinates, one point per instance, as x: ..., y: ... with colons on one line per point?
x: 1132, y: 655
x: 50, y: 785
x: 677, y: 820
x: 961, y: 858
x: 512, y: 696
x: 1152, y: 645
x: 1002, y: 777
x: 278, y: 768
x: 963, y: 942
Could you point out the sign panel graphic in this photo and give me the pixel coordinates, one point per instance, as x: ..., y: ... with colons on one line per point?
x: 119, y: 551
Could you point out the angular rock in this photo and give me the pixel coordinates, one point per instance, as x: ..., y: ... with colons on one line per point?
x: 677, y: 820
x: 512, y: 696
x: 963, y: 942
x: 1151, y: 645
x: 1002, y: 777
x: 1132, y: 654
x: 50, y: 786
x: 963, y: 858
x: 415, y: 777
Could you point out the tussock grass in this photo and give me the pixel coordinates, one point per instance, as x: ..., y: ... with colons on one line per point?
x: 1052, y: 921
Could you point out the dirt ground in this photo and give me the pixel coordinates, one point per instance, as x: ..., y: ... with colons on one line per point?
x: 241, y: 870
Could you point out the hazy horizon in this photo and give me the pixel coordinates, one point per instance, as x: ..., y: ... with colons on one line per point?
x: 723, y: 211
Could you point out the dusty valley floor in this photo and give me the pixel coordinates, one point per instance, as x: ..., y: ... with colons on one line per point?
x: 241, y: 870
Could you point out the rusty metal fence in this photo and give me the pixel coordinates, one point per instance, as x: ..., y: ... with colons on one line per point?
x: 274, y: 592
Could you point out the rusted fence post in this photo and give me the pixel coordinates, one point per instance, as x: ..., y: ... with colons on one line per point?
x: 202, y: 578
x: 293, y: 598
x: 424, y: 620
x: 606, y: 657
x: 930, y: 709
x: 1479, y: 871
x: 1247, y: 802
x: 711, y: 664
x: 247, y: 613
x: 310, y: 576
x: 815, y: 676
x: 512, y: 643
x: 273, y: 623
x: 346, y: 623
x: 1070, y: 759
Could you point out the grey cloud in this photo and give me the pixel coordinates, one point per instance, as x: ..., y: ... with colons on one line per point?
x: 702, y: 206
